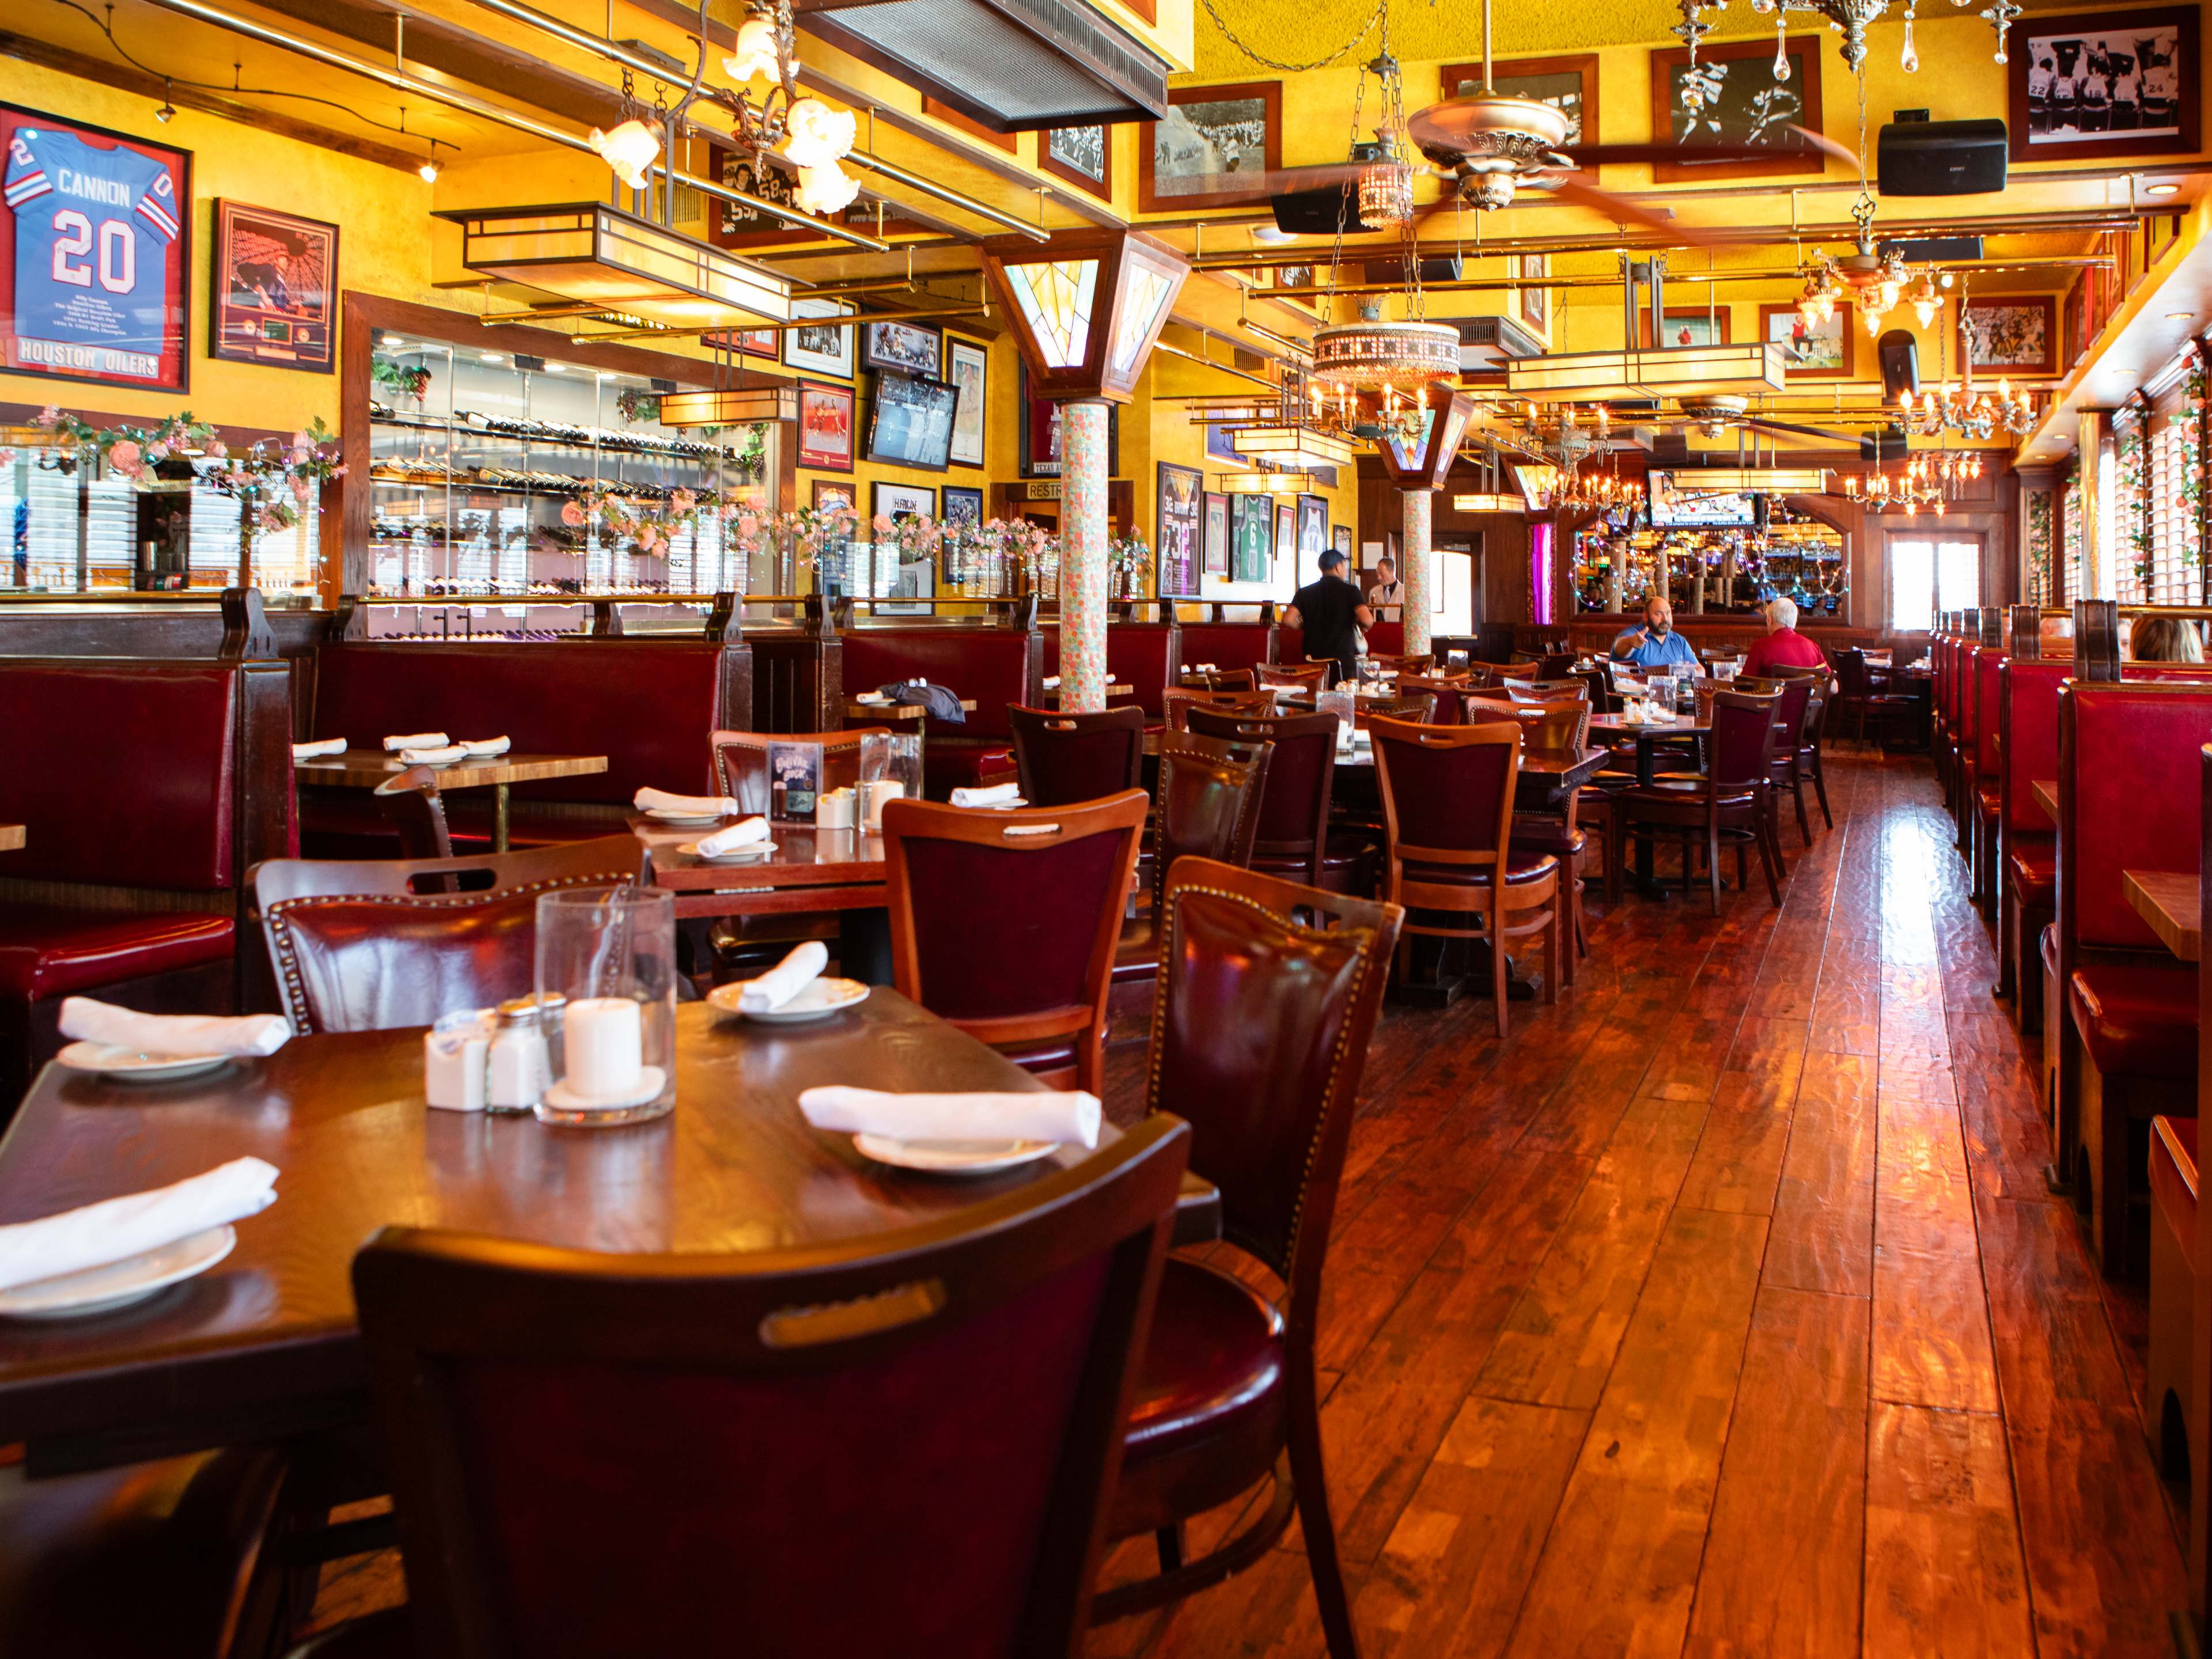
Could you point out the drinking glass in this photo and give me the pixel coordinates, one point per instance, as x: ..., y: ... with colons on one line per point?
x: 891, y: 768
x: 611, y: 953
x: 1660, y: 688
x: 1339, y: 702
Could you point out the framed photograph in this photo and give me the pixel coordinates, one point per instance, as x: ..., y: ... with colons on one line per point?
x: 829, y: 493
x: 733, y: 224
x: 910, y: 421
x: 908, y: 348
x: 1082, y: 156
x: 1567, y: 84
x: 1285, y: 545
x: 2103, y: 83
x: 825, y: 349
x: 962, y: 504
x: 1214, y: 535
x: 825, y: 426
x: 1251, y: 532
x: 1176, y: 530
x: 1221, y: 445
x: 93, y: 275
x: 902, y: 500
x: 1535, y: 303
x: 2011, y: 336
x: 1688, y: 325
x: 1313, y: 531
x: 1039, y: 449
x: 1825, y: 353
x: 1744, y: 104
x: 968, y: 369
x: 275, y: 290
x: 1341, y: 540
x: 1212, y: 136
x: 751, y: 342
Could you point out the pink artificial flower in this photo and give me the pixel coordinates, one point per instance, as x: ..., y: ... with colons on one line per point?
x: 649, y: 537
x: 748, y: 522
x: 126, y: 458
x: 49, y: 416
x: 299, y: 488
x: 881, y: 524
x: 572, y: 515
x: 157, y: 451
x: 684, y: 501
x: 217, y: 450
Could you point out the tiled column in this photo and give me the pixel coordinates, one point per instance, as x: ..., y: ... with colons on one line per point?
x: 1082, y: 557
x: 1415, y: 574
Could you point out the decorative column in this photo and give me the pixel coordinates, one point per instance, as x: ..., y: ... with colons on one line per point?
x: 1419, y: 604
x: 2093, y: 489
x: 1083, y: 573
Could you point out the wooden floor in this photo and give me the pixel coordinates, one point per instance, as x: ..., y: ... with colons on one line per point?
x: 1722, y: 1309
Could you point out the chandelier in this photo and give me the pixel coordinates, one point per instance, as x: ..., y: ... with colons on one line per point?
x: 1927, y: 480
x: 805, y: 132
x: 1959, y: 408
x: 1569, y: 489
x: 1850, y: 17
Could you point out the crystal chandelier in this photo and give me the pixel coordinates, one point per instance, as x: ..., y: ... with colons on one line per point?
x: 1848, y: 17
x: 806, y: 133
x: 1927, y: 480
x: 1957, y: 407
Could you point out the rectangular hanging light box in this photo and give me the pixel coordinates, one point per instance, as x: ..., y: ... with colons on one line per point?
x: 600, y: 255
x: 1293, y: 446
x: 1755, y: 480
x: 1264, y: 483
x: 733, y: 406
x: 1488, y: 503
x: 1666, y: 372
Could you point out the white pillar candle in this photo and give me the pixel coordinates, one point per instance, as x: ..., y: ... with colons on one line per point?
x: 606, y: 1046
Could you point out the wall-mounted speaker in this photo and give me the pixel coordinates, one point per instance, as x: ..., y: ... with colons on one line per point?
x: 1941, y: 158
x: 1901, y: 364
x: 1888, y: 444
x: 1315, y: 212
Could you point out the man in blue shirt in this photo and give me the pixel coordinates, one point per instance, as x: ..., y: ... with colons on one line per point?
x: 1659, y: 646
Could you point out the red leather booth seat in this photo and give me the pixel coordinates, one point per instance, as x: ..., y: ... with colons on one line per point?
x: 647, y: 705
x: 994, y: 667
x: 2137, y: 1019
x: 1385, y: 639
x: 131, y: 776
x: 1231, y: 646
x: 1146, y: 656
x: 2033, y: 866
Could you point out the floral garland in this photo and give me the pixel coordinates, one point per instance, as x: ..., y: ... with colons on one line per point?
x: 2039, y: 545
x: 916, y: 535
x: 809, y: 530
x: 275, y: 481
x: 626, y: 519
x: 1030, y: 547
x: 2133, y: 502
x: 2192, y: 470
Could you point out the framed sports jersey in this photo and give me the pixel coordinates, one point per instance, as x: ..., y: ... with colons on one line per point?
x: 275, y: 288
x: 96, y: 244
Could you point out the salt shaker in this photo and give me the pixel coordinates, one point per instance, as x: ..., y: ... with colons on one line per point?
x: 519, y: 1063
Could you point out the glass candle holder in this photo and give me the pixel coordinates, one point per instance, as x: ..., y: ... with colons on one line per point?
x: 611, y: 954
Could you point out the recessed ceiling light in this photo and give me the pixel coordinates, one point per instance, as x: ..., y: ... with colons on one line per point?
x: 2180, y: 316
x: 2162, y: 190
x: 1273, y: 234
x: 392, y: 341
x: 493, y: 357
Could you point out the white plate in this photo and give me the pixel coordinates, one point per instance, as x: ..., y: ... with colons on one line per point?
x: 112, y: 1060
x: 752, y: 853
x: 824, y: 997
x: 954, y: 1157
x: 118, y: 1283
x: 874, y: 700
x: 652, y: 1079
x: 661, y: 814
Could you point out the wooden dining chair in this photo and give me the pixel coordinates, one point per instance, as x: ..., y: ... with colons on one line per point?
x: 1733, y: 801
x: 1448, y: 694
x: 1006, y: 923
x: 1206, y: 806
x: 905, y: 1444
x: 1296, y: 676
x: 1418, y: 662
x: 368, y: 944
x: 417, y: 812
x: 1066, y: 759
x: 1793, y: 733
x: 1295, y: 840
x: 1420, y: 706
x: 741, y: 761
x: 1268, y: 995
x: 1559, y: 732
x: 1447, y: 822
x: 1229, y: 679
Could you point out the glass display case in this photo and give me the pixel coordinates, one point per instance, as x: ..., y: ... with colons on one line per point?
x: 509, y: 477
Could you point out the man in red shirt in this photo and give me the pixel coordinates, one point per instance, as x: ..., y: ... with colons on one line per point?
x: 1783, y: 646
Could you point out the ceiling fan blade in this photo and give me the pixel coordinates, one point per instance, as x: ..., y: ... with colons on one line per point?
x: 1623, y: 211
x: 1763, y: 425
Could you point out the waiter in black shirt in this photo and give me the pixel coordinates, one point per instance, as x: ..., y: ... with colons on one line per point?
x: 1328, y: 610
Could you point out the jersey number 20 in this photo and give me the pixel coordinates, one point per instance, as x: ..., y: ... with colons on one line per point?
x: 118, y: 252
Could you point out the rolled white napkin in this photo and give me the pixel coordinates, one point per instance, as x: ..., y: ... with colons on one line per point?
x: 717, y: 807
x: 119, y: 1228
x: 183, y: 1035
x: 736, y: 835
x: 320, y: 746
x: 1052, y: 682
x: 786, y: 979
x: 1038, y: 1115
x: 996, y: 794
x: 482, y: 747
x: 417, y: 740
x: 452, y: 751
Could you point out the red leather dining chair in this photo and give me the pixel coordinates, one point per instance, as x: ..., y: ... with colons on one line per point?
x: 1065, y: 758
x: 1208, y: 806
x: 370, y: 945
x: 1447, y: 814
x: 1006, y: 923
x: 1792, y: 737
x: 1268, y: 995
x: 1294, y: 839
x: 1446, y: 693
x: 1733, y: 801
x: 905, y: 1445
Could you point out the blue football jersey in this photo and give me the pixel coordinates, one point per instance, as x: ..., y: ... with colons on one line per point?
x: 93, y: 230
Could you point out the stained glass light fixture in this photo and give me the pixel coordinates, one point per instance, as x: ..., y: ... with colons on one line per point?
x: 1055, y: 297
x: 1087, y: 306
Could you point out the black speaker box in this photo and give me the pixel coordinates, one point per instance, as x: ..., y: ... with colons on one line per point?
x: 1933, y: 249
x: 1941, y: 158
x: 1887, y: 445
x: 1445, y: 269
x: 1901, y: 364
x: 1313, y: 212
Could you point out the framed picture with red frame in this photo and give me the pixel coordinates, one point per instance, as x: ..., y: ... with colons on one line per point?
x: 825, y: 426
x: 95, y: 252
x: 1213, y: 139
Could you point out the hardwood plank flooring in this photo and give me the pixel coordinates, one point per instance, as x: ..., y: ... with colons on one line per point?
x: 1721, y: 1309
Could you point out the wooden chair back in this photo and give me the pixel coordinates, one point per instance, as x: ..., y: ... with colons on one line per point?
x: 1208, y: 803
x: 1229, y: 679
x: 740, y: 761
x: 1065, y: 758
x: 1447, y: 793
x: 417, y: 812
x: 1296, y: 676
x: 1294, y: 807
x: 1447, y: 694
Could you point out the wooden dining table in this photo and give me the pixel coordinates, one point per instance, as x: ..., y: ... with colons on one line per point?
x: 365, y: 769
x: 903, y: 714
x: 2168, y: 900
x: 11, y: 837
x: 810, y: 871
x: 2046, y: 795
x: 265, y: 1345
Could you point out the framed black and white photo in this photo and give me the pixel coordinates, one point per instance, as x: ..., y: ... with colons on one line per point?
x: 962, y: 504
x: 968, y: 367
x: 1742, y: 104
x: 1214, y: 536
x: 1082, y: 156
x: 908, y: 348
x: 2103, y: 84
x: 910, y: 421
x: 1212, y: 139
x: 825, y: 349
x: 2005, y: 335
x: 1180, y: 503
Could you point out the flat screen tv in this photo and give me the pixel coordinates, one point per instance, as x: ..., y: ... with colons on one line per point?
x: 1678, y: 503
x: 910, y: 420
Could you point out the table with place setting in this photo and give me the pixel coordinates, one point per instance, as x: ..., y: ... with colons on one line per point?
x: 367, y: 769
x: 260, y: 1342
